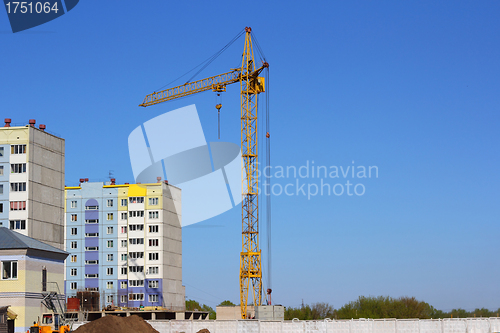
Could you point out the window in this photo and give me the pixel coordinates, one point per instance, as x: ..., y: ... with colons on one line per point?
x: 74, y: 217
x: 1, y: 208
x: 124, y: 256
x: 110, y: 256
x: 18, y: 205
x: 1, y: 189
x: 73, y: 272
x: 136, y: 269
x: 1, y: 170
x: 153, y: 298
x: 153, y: 270
x: 110, y: 230
x: 136, y: 283
x: 91, y: 221
x: 134, y: 227
x: 136, y: 297
x: 110, y: 216
x: 92, y: 234
x: 134, y: 241
x: 92, y: 276
x: 74, y: 285
x: 18, y: 149
x: 123, y: 298
x: 124, y: 216
x: 110, y: 243
x: 110, y: 203
x: 123, y: 230
x: 109, y: 271
x: 124, y: 243
x: 153, y: 228
x: 123, y: 285
x: 73, y: 258
x: 1, y: 151
x: 73, y: 204
x: 74, y: 245
x: 153, y: 284
x: 18, y: 187
x: 123, y: 202
x: 153, y: 215
x: 18, y: 225
x: 136, y: 213
x: 92, y: 248
x: 136, y: 199
x: 92, y: 207
x: 136, y: 255
x: 110, y: 297
x: 9, y: 270
x: 91, y: 262
x: 74, y: 231
x: 154, y: 256
x: 18, y: 168
x: 153, y: 242
x: 153, y: 201
x: 124, y: 270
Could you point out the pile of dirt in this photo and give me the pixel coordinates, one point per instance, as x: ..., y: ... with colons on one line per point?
x: 115, y: 324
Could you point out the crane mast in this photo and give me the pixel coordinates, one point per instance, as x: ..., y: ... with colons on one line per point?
x: 251, y: 85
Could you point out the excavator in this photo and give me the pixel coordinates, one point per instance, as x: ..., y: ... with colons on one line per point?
x: 53, y: 322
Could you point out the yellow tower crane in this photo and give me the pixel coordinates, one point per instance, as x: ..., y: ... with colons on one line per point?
x: 251, y: 85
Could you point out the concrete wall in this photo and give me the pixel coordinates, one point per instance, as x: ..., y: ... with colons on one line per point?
x: 233, y: 312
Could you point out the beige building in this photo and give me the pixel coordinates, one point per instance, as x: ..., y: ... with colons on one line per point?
x: 32, y: 182
x: 30, y: 270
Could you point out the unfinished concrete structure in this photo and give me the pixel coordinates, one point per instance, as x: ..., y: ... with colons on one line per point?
x: 32, y: 182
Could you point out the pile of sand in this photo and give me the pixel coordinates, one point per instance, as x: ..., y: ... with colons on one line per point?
x: 115, y: 324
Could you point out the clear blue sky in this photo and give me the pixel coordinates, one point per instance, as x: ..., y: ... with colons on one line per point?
x: 411, y: 87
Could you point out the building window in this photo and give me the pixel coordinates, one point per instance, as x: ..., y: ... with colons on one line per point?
x: 73, y: 272
x: 110, y: 256
x: 153, y: 242
x: 136, y: 255
x: 74, y: 245
x: 136, y: 283
x: 136, y: 269
x: 134, y: 227
x: 109, y: 271
x: 18, y: 205
x: 9, y: 270
x: 124, y: 256
x: 154, y: 256
x: 1, y: 189
x: 136, y: 199
x: 153, y: 201
x: 110, y: 244
x: 74, y: 217
x: 110, y: 216
x: 91, y: 276
x: 123, y: 298
x: 1, y: 151
x: 73, y: 204
x: 124, y: 270
x: 92, y: 248
x: 91, y: 234
x: 91, y: 207
x: 136, y: 297
x: 123, y: 285
x: 110, y: 297
x: 110, y: 203
x: 153, y: 270
x: 153, y: 284
x: 18, y: 168
x: 123, y: 230
x: 136, y: 213
x: 1, y: 170
x: 124, y: 243
x: 91, y: 262
x: 74, y: 231
x: 91, y: 221
x: 1, y: 208
x: 18, y: 149
x: 153, y: 298
x: 18, y: 187
x: 110, y: 230
x: 135, y: 241
x: 123, y: 202
x: 153, y: 215
x: 73, y: 286
x: 153, y: 228
x: 73, y: 258
x: 124, y: 216
x: 18, y: 225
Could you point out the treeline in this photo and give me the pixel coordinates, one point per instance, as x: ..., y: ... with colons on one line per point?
x: 381, y: 307
x: 192, y: 305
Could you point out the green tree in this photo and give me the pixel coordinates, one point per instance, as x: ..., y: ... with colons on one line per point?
x: 192, y: 305
x: 226, y: 303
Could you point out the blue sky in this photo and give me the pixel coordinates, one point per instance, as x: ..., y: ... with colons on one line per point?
x: 410, y: 87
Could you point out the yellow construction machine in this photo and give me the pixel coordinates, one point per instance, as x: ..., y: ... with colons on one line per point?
x: 51, y: 323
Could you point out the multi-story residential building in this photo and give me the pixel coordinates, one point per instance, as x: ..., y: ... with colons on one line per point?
x: 32, y: 182
x: 125, y: 241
